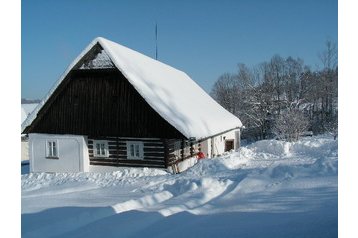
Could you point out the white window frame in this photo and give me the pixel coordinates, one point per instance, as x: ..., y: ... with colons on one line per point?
x: 138, y: 150
x: 103, y: 146
x: 52, y: 149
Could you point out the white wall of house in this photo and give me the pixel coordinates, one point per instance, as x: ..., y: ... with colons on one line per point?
x: 72, y: 153
x: 206, y: 147
x: 216, y: 145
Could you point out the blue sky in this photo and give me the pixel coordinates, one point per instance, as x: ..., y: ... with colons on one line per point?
x: 203, y: 38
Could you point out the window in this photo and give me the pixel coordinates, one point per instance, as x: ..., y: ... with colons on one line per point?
x: 51, y: 149
x: 229, y: 145
x: 135, y: 150
x: 100, y: 148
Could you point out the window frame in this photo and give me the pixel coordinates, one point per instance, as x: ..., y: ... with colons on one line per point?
x: 140, y: 151
x: 105, y: 148
x: 50, y: 149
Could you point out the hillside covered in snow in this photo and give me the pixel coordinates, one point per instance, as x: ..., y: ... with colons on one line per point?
x: 267, y: 189
x: 26, y: 110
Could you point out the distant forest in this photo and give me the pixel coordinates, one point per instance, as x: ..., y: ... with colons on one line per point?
x: 283, y: 98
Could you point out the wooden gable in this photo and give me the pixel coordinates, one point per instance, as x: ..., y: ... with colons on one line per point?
x: 100, y: 102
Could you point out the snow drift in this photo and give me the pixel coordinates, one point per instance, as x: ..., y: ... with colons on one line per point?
x: 267, y: 189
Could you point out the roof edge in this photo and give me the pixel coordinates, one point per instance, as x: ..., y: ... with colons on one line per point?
x: 28, y: 121
x: 220, y: 133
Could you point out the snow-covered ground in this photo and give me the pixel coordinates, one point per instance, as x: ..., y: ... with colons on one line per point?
x: 266, y: 189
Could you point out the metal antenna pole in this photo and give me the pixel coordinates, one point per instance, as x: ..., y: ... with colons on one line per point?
x: 156, y: 41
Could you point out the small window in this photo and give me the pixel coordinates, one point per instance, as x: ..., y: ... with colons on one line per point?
x: 135, y: 150
x: 51, y: 149
x: 100, y: 148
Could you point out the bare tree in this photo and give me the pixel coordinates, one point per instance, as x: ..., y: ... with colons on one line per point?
x: 329, y: 56
x: 293, y: 72
x: 263, y: 95
x: 226, y: 91
x: 257, y: 105
x: 331, y: 126
x: 291, y: 125
x: 328, y: 81
x: 274, y: 75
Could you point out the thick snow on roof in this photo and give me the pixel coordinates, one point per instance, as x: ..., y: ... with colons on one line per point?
x: 170, y: 92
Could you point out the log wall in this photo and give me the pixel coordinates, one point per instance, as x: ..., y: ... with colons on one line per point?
x: 158, y: 153
x: 154, y: 152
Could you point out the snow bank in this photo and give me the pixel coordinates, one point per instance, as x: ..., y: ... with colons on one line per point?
x: 289, y: 188
x: 306, y: 146
x: 39, y: 180
x: 271, y: 153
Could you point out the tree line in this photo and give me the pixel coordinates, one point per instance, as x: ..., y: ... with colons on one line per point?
x: 283, y: 97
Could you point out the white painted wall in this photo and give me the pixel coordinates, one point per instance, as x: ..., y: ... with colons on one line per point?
x: 216, y: 145
x: 206, y: 147
x: 72, y: 151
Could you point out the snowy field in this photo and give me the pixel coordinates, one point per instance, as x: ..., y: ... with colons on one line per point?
x: 266, y: 189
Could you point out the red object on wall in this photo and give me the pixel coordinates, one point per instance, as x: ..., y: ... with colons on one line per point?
x: 200, y: 155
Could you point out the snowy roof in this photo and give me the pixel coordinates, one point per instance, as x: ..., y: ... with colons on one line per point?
x: 26, y: 110
x: 170, y: 92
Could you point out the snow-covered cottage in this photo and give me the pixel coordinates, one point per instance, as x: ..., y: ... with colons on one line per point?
x: 116, y: 107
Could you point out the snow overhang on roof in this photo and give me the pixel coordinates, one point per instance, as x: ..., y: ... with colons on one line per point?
x: 170, y: 92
